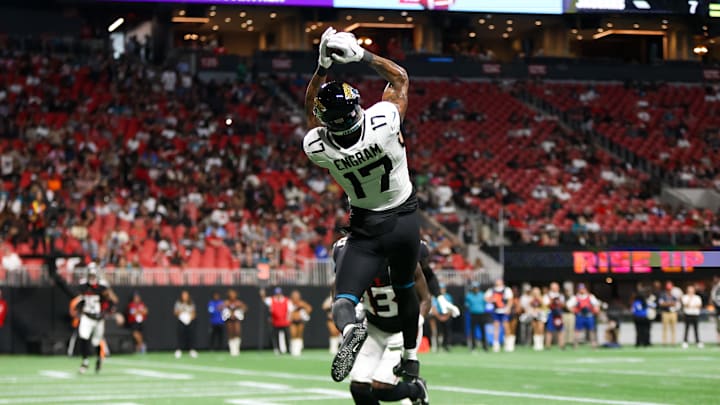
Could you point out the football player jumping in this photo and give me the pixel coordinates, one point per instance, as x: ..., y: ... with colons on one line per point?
x: 373, y: 378
x: 363, y: 149
x: 95, y: 299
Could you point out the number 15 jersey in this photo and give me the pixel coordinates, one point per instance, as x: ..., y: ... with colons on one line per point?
x: 374, y: 171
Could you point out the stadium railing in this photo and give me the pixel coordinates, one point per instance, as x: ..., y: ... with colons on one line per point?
x: 315, y: 273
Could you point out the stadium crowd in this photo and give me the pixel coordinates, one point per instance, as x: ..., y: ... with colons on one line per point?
x: 203, y: 174
x: 187, y: 174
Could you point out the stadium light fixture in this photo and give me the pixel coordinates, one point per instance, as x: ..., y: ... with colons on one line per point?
x: 251, y: 28
x: 215, y: 27
x: 212, y: 13
x: 404, y: 13
x: 192, y: 20
x: 579, y: 37
x: 636, y: 26
x: 213, y: 8
x: 472, y: 35
x: 250, y: 22
x: 181, y: 12
x: 538, y: 23
x: 242, y: 14
x: 481, y: 21
x: 409, y: 19
x: 116, y: 24
x: 574, y: 30
x: 368, y: 41
x: 664, y: 26
x: 273, y: 16
x: 381, y: 18
x: 244, y: 25
x: 601, y: 29
x: 491, y: 27
x: 609, y: 25
x: 505, y: 35
x: 509, y: 22
x: 228, y: 19
x: 509, y: 29
x: 316, y: 41
x: 307, y: 30
x: 348, y: 17
x: 700, y: 50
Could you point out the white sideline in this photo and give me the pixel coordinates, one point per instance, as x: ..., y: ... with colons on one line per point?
x: 511, y: 394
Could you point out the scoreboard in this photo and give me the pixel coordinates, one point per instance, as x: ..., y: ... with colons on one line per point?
x: 679, y: 7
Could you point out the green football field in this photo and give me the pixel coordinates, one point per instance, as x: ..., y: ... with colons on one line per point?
x: 626, y: 376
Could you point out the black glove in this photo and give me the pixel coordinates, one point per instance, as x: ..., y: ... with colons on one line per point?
x: 407, y: 369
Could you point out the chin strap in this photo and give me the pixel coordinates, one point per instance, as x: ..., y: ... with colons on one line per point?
x: 352, y: 129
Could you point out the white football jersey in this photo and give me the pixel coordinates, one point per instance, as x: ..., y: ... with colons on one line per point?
x: 374, y: 171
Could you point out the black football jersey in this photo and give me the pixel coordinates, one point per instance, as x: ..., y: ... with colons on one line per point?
x: 93, y: 301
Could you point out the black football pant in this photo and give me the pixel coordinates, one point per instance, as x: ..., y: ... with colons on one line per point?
x: 185, y: 336
x: 478, y: 320
x: 364, y: 257
x: 217, y: 341
x: 642, y: 332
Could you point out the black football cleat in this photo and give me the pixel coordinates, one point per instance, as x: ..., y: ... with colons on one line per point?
x: 98, y: 365
x: 347, y: 353
x: 424, y: 398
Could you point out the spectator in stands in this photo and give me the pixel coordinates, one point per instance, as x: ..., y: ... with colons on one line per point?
x: 280, y: 309
x: 475, y: 307
x: 692, y: 305
x: 669, y: 304
x: 36, y: 215
x: 137, y: 313
x: 217, y: 324
x: 184, y: 311
x: 12, y: 263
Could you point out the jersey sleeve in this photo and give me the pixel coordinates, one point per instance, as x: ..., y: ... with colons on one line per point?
x: 314, y: 147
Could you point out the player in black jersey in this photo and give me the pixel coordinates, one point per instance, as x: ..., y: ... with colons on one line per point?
x: 95, y: 299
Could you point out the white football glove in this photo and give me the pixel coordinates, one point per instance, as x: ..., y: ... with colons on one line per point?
x: 347, y: 44
x: 323, y: 60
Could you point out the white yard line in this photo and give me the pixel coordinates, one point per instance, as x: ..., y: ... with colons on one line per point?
x: 642, y: 373
x: 325, y: 395
x: 266, y: 386
x: 562, y: 398
x: 56, y: 374
x: 221, y: 370
x: 314, y: 395
x: 157, y: 374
